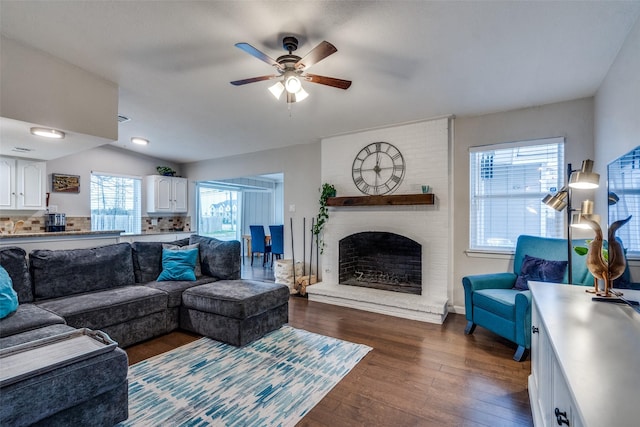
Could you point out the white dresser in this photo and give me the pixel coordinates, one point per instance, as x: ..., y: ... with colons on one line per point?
x: 585, y: 359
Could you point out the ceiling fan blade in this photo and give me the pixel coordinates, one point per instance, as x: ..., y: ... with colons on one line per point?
x: 253, y: 80
x: 316, y: 55
x: 256, y: 53
x: 329, y: 81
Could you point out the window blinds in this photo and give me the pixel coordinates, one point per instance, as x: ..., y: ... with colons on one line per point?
x: 507, y: 184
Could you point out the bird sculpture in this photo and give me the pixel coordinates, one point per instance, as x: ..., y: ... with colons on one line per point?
x: 596, y: 263
x: 599, y: 266
x: 617, y: 261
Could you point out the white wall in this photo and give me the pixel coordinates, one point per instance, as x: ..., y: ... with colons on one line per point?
x: 300, y: 165
x: 571, y: 119
x: 101, y: 159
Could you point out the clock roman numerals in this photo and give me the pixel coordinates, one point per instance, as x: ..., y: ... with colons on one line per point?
x: 378, y: 168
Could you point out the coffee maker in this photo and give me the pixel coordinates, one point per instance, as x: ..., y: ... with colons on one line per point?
x: 55, y: 222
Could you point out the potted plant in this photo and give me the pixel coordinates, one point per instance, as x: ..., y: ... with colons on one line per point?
x: 166, y: 171
x: 327, y: 190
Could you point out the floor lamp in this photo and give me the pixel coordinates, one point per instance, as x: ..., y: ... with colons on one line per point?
x: 583, y: 178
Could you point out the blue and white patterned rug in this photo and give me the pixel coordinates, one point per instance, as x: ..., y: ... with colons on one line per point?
x: 274, y: 381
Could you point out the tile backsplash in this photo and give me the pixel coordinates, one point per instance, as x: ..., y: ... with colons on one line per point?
x: 35, y: 223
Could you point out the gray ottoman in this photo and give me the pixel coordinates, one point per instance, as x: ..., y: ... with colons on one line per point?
x: 234, y: 311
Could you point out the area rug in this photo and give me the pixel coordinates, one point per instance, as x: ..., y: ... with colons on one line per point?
x: 274, y: 381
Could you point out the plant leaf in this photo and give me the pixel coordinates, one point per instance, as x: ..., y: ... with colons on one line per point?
x: 580, y: 250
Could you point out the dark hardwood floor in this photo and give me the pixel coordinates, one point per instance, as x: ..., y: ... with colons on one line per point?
x: 418, y: 374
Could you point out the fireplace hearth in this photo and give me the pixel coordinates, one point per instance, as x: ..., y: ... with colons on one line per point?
x: 381, y: 260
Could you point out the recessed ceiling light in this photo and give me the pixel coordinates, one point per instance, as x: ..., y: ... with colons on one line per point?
x: 139, y: 141
x: 48, y: 133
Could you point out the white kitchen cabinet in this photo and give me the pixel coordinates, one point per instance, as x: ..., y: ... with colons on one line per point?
x: 166, y: 194
x: 23, y: 184
x: 584, y: 358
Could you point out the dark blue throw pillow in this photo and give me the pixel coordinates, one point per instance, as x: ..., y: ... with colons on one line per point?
x: 540, y: 270
x: 178, y: 265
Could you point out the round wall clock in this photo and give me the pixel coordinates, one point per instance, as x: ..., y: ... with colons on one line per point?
x: 378, y: 168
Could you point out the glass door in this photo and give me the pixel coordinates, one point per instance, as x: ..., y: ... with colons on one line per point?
x: 218, y: 212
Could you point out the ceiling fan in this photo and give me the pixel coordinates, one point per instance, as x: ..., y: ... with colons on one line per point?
x: 292, y: 69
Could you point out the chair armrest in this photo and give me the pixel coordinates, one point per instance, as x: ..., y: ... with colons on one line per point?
x: 484, y: 281
x: 489, y: 281
x: 523, y: 319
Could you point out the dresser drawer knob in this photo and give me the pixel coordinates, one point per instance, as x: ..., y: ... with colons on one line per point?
x: 561, y: 417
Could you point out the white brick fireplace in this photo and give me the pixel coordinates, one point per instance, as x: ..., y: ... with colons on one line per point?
x: 425, y: 148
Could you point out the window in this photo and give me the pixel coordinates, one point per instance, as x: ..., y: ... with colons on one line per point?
x: 624, y: 199
x: 115, y: 203
x: 508, y: 182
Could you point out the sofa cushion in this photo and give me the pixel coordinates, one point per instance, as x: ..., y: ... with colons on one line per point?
x: 539, y: 269
x: 26, y: 318
x: 238, y: 299
x: 8, y: 296
x: 219, y: 259
x: 176, y: 287
x: 147, y: 259
x: 67, y: 272
x: 96, y: 310
x: 502, y: 302
x: 14, y: 260
x: 34, y: 334
x: 178, y: 265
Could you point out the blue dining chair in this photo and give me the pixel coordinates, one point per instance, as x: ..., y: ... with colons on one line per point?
x: 277, y: 241
x: 258, y: 243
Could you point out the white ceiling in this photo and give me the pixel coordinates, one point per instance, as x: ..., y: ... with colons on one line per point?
x: 409, y: 60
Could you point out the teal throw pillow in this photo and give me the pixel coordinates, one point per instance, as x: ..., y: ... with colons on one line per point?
x: 178, y: 265
x: 8, y: 297
x: 186, y: 248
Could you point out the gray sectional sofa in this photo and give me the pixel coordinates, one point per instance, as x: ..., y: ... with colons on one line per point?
x: 110, y: 288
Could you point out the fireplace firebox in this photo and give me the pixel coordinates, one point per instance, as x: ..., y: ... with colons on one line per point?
x: 381, y: 260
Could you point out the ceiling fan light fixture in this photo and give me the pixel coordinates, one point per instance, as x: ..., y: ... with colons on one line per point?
x: 301, y: 95
x: 277, y: 89
x: 292, y: 84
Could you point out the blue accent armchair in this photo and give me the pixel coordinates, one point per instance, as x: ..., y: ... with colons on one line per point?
x: 491, y: 302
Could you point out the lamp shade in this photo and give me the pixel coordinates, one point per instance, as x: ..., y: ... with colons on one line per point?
x: 557, y: 201
x: 578, y: 220
x: 292, y: 84
x: 277, y: 89
x: 585, y: 178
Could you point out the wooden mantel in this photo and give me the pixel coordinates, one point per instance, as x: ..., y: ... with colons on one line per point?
x: 394, y: 199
